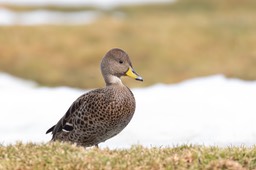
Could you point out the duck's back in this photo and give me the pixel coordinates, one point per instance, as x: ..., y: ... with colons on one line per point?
x: 96, y: 116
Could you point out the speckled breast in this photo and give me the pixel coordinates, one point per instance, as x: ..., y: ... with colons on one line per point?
x: 118, y: 114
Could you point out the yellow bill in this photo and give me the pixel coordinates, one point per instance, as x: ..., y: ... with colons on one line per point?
x: 131, y: 73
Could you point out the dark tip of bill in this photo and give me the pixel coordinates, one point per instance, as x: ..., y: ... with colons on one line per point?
x: 139, y: 79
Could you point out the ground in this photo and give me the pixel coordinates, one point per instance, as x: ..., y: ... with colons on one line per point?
x: 66, y: 156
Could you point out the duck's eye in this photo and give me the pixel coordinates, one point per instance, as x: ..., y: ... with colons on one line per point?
x: 121, y: 62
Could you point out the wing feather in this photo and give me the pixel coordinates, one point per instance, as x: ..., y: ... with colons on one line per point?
x: 62, y: 122
x: 61, y: 125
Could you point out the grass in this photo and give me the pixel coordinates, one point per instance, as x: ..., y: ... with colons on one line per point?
x: 65, y: 156
x: 167, y: 43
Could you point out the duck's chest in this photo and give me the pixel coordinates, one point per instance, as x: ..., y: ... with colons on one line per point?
x: 121, y: 106
x: 114, y: 113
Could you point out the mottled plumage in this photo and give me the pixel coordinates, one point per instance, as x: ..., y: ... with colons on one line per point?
x: 101, y: 113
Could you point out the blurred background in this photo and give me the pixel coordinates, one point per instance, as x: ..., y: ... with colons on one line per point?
x: 61, y: 43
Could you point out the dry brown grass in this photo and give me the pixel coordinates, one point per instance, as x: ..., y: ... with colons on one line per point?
x: 167, y: 43
x: 64, y: 156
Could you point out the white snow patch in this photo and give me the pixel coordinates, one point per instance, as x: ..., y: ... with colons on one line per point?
x: 40, y: 17
x: 210, y: 110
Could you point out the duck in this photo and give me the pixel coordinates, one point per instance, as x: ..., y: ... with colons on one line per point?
x: 102, y: 113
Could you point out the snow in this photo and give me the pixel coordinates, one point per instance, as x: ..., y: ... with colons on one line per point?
x: 211, y: 110
x: 42, y: 17
x: 39, y: 17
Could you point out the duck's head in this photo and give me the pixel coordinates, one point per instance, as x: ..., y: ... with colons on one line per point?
x: 115, y: 64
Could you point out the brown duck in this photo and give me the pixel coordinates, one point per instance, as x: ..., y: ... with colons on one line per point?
x: 101, y: 113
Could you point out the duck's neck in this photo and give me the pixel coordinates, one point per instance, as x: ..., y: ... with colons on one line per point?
x: 112, y: 80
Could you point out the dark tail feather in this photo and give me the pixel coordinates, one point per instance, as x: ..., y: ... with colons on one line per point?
x: 50, y: 130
